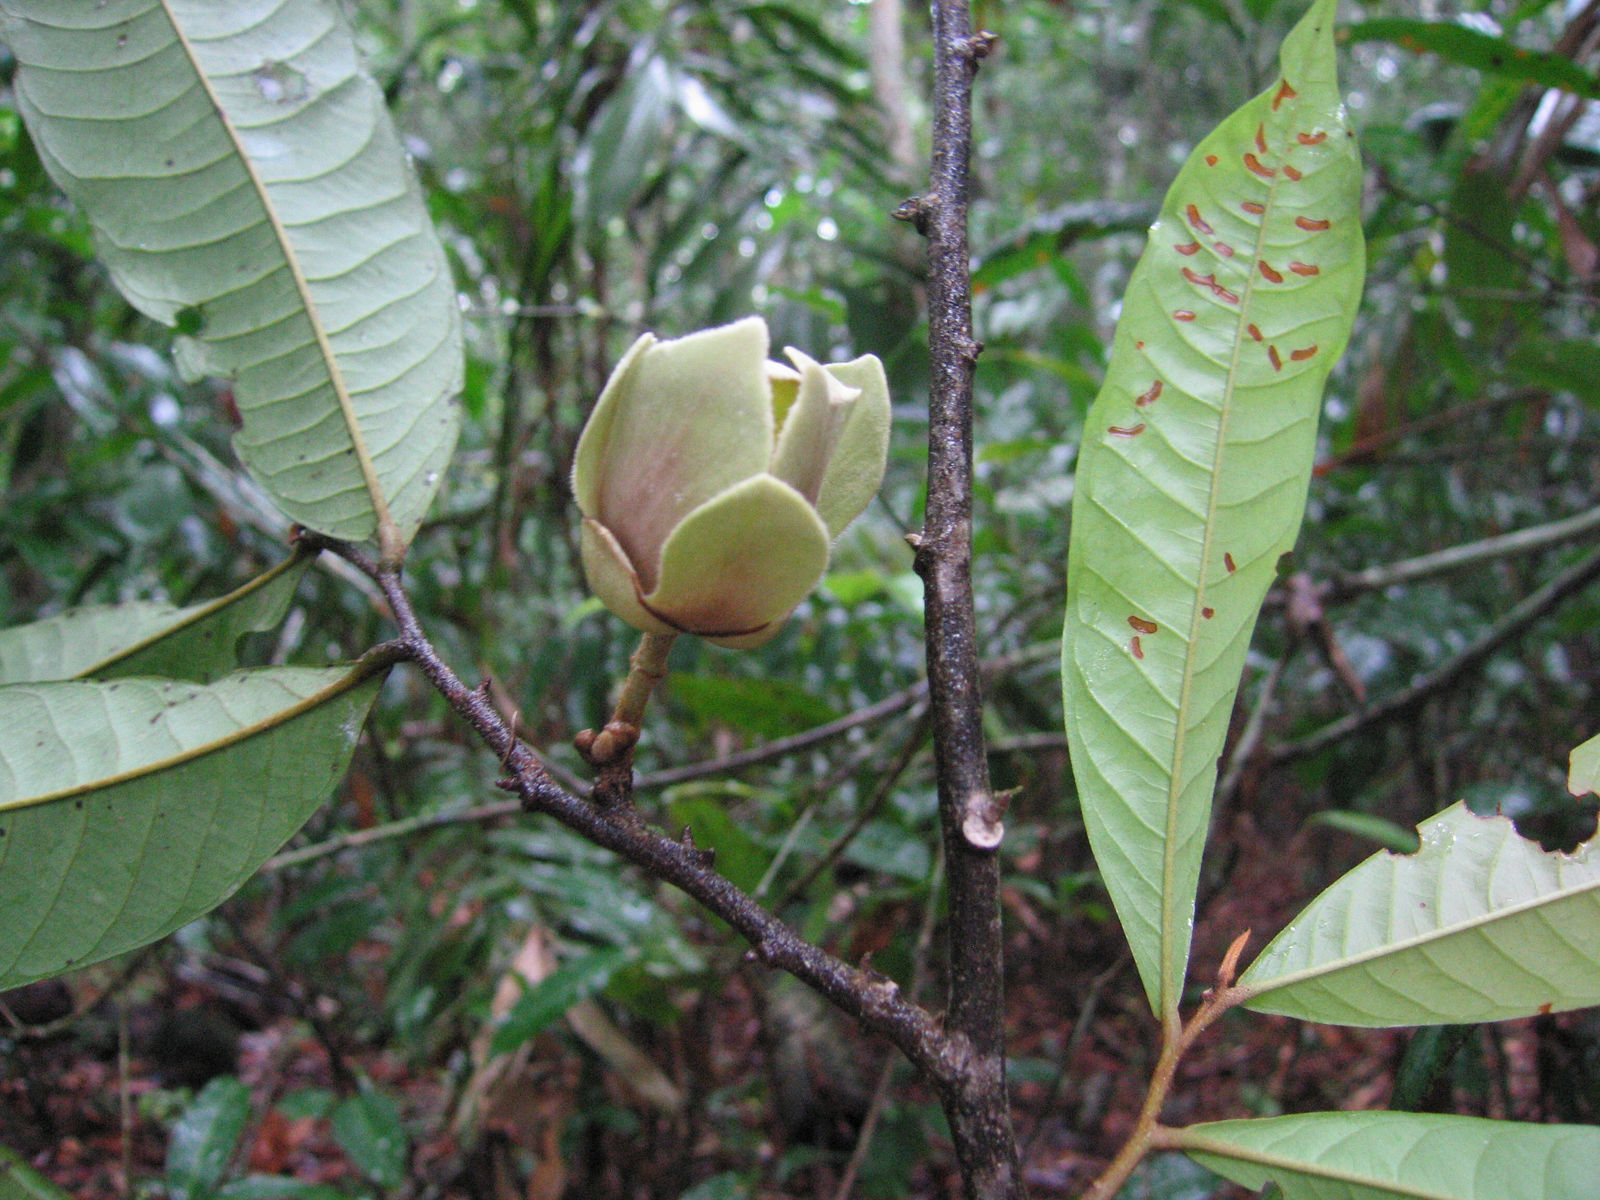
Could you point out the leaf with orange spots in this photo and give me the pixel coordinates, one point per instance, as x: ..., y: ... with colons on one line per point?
x: 1192, y: 477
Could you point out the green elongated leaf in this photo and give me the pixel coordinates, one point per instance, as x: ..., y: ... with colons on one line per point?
x: 19, y: 1181
x: 368, y: 1127
x: 1192, y: 478
x: 1401, y: 1156
x: 1583, y: 768
x: 611, y: 166
x: 1478, y: 925
x: 1481, y: 51
x: 205, y: 1137
x: 130, y: 807
x: 1385, y: 832
x: 245, y: 184
x: 197, y: 643
x: 545, y: 1002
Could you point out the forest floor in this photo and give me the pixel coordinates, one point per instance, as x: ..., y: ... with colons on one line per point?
x: 755, y: 1091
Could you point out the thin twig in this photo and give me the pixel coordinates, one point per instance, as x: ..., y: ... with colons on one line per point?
x: 1250, y: 738
x: 869, y: 810
x: 880, y: 1093
x: 1148, y: 1133
x: 890, y: 705
x: 868, y: 996
x: 390, y: 830
x: 1470, y: 554
x: 1519, y: 618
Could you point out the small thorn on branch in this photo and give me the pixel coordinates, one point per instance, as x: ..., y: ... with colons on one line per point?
x: 702, y: 857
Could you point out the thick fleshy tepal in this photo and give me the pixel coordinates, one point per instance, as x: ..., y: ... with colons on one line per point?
x: 712, y: 480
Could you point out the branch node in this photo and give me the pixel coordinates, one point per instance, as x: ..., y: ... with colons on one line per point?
x: 609, y: 745
x: 918, y: 210
x: 979, y: 45
x: 982, y: 823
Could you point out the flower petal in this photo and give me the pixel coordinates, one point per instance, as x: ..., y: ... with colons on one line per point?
x: 682, y: 422
x: 861, y: 448
x: 736, y: 567
x: 811, y: 428
x: 611, y: 578
x: 595, y: 440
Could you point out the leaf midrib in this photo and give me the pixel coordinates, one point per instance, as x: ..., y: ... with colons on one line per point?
x: 390, y: 542
x: 1200, y: 1144
x: 353, y: 678
x: 1254, y: 991
x: 1174, y: 948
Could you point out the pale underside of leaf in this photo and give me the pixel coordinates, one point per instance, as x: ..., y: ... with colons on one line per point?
x: 1192, y: 478
x: 238, y: 165
x: 148, y: 638
x: 128, y: 808
x: 1583, y: 774
x: 1401, y: 1156
x: 1478, y: 925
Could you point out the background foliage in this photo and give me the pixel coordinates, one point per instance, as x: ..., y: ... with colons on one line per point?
x: 600, y: 169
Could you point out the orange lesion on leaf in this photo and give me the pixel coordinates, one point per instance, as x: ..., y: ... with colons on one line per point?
x: 1285, y: 92
x: 1272, y: 354
x: 1311, y: 139
x: 1151, y: 396
x: 1196, y: 220
x: 1141, y: 625
x: 1300, y: 268
x: 1127, y: 430
x: 1210, y: 281
x: 1188, y: 248
x: 1254, y: 207
x: 1303, y: 353
x: 1256, y: 167
x: 1313, y: 224
x: 1268, y: 272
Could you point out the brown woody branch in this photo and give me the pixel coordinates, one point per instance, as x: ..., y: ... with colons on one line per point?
x: 978, y: 1110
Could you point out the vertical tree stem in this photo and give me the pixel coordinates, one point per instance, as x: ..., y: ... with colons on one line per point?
x: 978, y: 1110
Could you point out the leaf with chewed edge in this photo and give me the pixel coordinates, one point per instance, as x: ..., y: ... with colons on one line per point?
x: 1479, y: 924
x: 1192, y: 478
